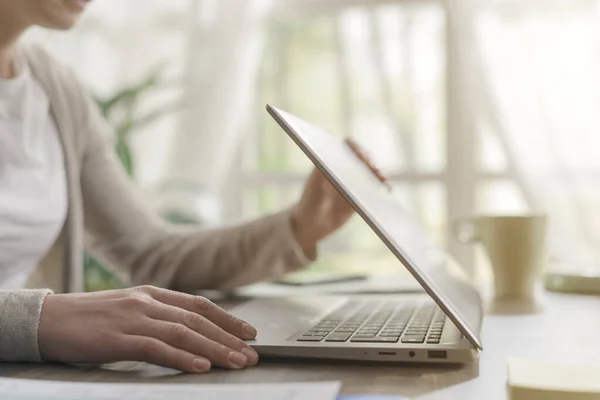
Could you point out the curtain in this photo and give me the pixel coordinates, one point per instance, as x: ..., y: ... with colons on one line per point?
x: 537, y: 81
x: 224, y: 54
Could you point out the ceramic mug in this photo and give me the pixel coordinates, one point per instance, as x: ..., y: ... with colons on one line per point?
x: 515, y: 247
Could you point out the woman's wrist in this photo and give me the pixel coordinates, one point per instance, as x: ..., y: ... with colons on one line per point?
x: 304, y: 232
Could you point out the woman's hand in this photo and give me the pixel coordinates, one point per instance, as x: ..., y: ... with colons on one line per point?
x: 159, y: 326
x: 322, y: 209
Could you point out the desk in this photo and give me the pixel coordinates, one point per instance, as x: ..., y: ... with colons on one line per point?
x: 567, y: 329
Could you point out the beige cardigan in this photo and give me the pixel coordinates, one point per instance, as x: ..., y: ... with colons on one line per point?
x: 104, y: 203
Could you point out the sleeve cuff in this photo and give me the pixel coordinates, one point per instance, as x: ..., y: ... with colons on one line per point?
x: 19, y: 323
x: 302, y: 259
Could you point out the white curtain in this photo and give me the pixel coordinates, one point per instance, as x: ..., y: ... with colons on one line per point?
x: 537, y: 80
x: 225, y: 48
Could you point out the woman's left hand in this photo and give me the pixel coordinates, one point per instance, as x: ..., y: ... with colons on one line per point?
x: 322, y: 209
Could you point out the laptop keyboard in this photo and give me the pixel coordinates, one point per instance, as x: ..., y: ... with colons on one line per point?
x: 379, y: 322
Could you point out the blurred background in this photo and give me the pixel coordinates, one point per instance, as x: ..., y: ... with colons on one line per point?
x: 470, y: 106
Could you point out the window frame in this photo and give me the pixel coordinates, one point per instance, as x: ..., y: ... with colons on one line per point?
x: 462, y: 175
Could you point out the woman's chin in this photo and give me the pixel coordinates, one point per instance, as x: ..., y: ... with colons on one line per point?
x: 62, y: 24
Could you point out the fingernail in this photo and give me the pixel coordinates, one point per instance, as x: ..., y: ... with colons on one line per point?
x: 251, y: 355
x: 249, y: 330
x: 238, y: 359
x: 201, y: 365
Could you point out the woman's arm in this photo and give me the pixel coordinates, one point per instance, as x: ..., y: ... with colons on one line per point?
x: 153, y: 253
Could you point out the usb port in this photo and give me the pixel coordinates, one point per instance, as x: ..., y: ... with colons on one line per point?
x: 437, y: 354
x: 387, y: 353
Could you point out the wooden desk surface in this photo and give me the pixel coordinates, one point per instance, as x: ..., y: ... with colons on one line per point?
x: 566, y: 329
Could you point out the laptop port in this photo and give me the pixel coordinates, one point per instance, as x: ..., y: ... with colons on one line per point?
x: 387, y: 353
x: 437, y: 354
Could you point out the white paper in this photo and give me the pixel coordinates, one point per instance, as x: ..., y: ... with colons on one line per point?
x: 26, y: 389
x: 553, y: 377
x: 404, y: 283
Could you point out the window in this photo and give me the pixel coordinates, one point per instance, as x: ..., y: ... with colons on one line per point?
x: 379, y: 72
x: 374, y: 72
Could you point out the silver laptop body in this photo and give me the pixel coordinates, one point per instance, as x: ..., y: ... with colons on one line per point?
x: 442, y: 325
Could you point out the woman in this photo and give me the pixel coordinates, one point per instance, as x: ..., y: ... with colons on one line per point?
x: 59, y: 178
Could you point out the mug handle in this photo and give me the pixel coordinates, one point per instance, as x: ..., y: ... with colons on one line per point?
x: 466, y: 230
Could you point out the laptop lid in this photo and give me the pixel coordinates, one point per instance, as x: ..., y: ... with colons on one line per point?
x: 441, y: 277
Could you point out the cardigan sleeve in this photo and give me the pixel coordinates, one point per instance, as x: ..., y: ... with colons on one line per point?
x: 19, y: 321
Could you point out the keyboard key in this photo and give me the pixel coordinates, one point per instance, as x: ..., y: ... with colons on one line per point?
x: 413, y: 339
x: 433, y: 341
x: 376, y: 339
x: 342, y: 329
x: 310, y: 338
x: 338, y: 337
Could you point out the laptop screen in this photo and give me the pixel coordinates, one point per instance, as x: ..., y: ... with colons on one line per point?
x: 432, y: 267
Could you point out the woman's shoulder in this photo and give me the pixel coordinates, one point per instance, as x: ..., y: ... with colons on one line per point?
x: 47, y: 67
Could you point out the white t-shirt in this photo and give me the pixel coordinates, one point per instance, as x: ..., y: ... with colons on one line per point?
x: 33, y: 188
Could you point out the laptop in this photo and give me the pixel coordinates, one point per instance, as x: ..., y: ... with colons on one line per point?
x: 441, y: 324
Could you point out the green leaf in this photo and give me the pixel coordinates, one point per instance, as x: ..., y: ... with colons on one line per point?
x: 125, y: 155
x: 130, y: 95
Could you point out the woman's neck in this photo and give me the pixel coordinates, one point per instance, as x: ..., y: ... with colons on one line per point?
x: 10, y: 31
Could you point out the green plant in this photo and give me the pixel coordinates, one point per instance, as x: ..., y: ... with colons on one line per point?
x: 121, y: 110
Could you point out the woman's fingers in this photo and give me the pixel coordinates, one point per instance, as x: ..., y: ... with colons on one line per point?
x: 203, y: 326
x: 206, y: 308
x: 181, y: 337
x: 366, y: 160
x: 156, y: 351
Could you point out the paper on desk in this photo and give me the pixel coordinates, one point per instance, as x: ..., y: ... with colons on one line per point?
x: 26, y: 389
x: 530, y: 379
